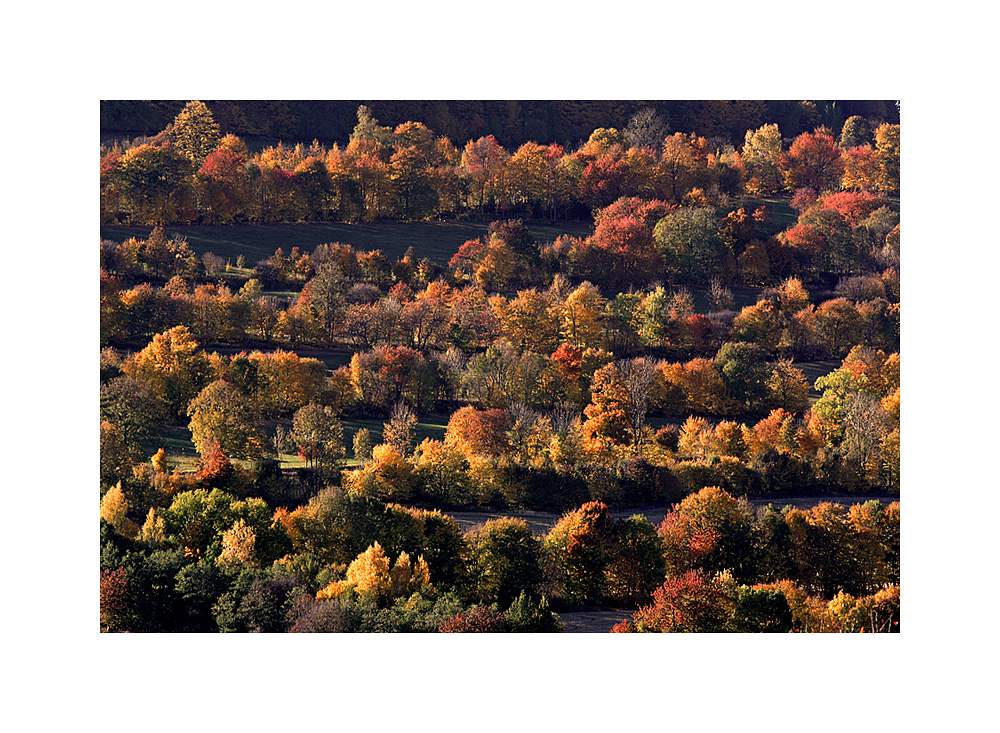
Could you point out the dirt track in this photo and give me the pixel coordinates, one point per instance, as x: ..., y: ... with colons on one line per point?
x: 592, y: 622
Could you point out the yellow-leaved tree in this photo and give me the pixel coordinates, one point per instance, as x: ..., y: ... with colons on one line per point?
x: 153, y: 531
x: 114, y: 510
x: 370, y: 574
x: 238, y: 545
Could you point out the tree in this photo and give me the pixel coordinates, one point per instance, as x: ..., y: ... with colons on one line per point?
x: 484, y: 161
x: 368, y: 128
x: 221, y: 415
x: 504, y: 560
x: 479, y: 432
x: 637, y: 565
x: 608, y: 423
x: 887, y: 152
x: 745, y: 372
x: 114, y: 509
x: 442, y: 470
x: 530, y: 321
x: 761, y: 155
x: 148, y: 175
x: 856, y: 132
x: 831, y: 554
x: 646, y: 129
x: 371, y: 574
x: 861, y: 169
x: 398, y: 432
x: 325, y: 294
x: 580, y: 316
x: 680, y: 168
x: 813, y: 161
x: 320, y: 436
x: 606, y: 178
x: 694, y: 249
x: 582, y: 544
x: 363, y: 445
x: 621, y: 252
x: 387, y: 477
x: 638, y: 376
x: 238, y: 545
x: 195, y: 132
x: 692, y: 602
x: 787, y: 388
x: 712, y: 531
x: 172, y: 366
x: 760, y: 610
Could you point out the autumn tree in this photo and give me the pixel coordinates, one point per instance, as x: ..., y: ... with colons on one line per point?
x: 442, y: 471
x: 504, y: 560
x: 485, y: 161
x: 388, y: 476
x: 363, y: 445
x: 479, y: 432
x: 319, y: 436
x: 692, y: 246
x: 679, y: 169
x: 172, y: 366
x: 608, y: 423
x: 761, y: 154
x: 222, y: 416
x: 621, y: 252
x: 580, y: 316
x: 582, y: 545
x: 692, y: 602
x: 712, y: 531
x: 855, y: 132
x: 373, y: 575
x: 887, y: 151
x: 813, y: 161
x: 787, y: 387
x: 195, y: 132
x: 398, y: 432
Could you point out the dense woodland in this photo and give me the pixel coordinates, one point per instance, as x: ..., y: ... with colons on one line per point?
x: 585, y: 376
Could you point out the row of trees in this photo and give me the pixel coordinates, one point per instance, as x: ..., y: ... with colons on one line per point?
x: 343, y: 562
x: 332, y: 311
x: 513, y: 122
x: 190, y: 173
x: 594, y: 443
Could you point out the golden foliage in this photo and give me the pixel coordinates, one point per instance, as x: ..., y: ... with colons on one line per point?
x: 238, y: 545
x: 370, y: 574
x: 153, y: 531
x: 114, y: 507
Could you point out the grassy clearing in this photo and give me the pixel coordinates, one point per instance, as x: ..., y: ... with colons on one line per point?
x: 177, y: 444
x: 183, y: 456
x: 433, y: 427
x: 813, y: 370
x: 780, y: 214
x: 437, y: 241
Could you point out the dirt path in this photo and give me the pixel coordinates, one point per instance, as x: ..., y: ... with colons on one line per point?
x: 592, y: 622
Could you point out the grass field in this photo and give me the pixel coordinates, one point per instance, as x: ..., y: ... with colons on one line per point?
x: 182, y: 455
x: 437, y: 241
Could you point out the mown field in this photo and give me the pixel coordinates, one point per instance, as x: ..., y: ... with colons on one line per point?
x: 437, y: 241
x: 181, y: 453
